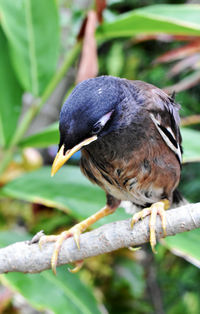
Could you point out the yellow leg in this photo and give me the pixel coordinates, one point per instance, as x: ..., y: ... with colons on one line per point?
x: 75, y: 231
x: 154, y: 210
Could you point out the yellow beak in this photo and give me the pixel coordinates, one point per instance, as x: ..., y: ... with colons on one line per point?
x: 61, y: 158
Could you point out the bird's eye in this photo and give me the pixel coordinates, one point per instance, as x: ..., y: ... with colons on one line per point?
x: 97, y: 128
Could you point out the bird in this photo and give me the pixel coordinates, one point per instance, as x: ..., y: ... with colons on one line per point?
x: 129, y: 137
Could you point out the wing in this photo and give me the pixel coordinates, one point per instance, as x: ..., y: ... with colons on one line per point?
x: 164, y: 112
x: 171, y: 138
x: 166, y: 119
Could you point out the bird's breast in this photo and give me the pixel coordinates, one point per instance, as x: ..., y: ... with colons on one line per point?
x: 139, y: 173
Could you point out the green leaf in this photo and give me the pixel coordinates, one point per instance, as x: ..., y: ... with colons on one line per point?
x: 185, y: 245
x: 171, y: 19
x: 33, y: 34
x: 115, y: 59
x: 130, y: 273
x: 69, y: 191
x: 191, y: 147
x: 45, y: 138
x: 10, y: 95
x: 9, y: 237
x: 63, y: 293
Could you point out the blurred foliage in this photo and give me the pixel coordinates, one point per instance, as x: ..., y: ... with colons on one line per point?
x: 38, y: 46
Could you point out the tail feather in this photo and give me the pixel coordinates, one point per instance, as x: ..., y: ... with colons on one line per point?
x: 178, y: 200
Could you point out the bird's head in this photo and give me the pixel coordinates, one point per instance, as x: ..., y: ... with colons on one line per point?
x: 86, y: 116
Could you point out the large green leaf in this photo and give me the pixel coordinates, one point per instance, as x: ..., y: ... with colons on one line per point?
x: 33, y: 34
x: 171, y: 19
x: 191, y: 145
x: 64, y: 293
x: 10, y: 95
x: 69, y: 191
x: 45, y: 138
x: 185, y: 245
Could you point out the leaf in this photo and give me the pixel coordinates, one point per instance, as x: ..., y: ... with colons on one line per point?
x: 10, y: 95
x: 9, y: 237
x: 191, y: 147
x: 163, y: 37
x: 100, y: 7
x: 115, y: 59
x: 186, y: 83
x: 132, y: 274
x: 185, y: 64
x: 60, y: 294
x: 57, y: 293
x: 32, y: 30
x: 49, y: 136
x: 190, y: 120
x: 170, y: 19
x: 179, y: 53
x: 185, y: 245
x: 69, y: 191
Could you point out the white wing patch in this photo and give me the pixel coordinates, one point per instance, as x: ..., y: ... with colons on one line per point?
x: 166, y: 138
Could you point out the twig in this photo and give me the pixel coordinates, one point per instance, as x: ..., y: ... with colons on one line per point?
x: 28, y: 258
x: 194, y: 119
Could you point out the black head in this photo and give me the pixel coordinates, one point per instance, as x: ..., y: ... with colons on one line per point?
x: 89, y: 110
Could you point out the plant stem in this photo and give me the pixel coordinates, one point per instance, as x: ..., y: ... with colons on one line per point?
x: 60, y: 74
x: 8, y: 155
x: 37, y: 106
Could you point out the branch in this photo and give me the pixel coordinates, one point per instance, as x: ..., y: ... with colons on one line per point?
x: 26, y: 258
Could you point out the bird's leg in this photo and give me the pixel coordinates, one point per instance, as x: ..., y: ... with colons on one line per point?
x: 75, y: 232
x: 154, y: 210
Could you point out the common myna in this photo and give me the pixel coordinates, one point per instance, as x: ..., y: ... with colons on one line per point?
x: 128, y: 133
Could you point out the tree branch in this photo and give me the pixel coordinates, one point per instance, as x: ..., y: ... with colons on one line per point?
x: 26, y: 258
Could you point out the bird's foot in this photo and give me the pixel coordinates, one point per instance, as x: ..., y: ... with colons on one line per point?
x: 154, y: 210
x: 75, y: 232
x: 59, y: 239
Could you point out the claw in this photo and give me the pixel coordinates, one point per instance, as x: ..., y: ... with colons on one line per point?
x: 76, y: 235
x: 63, y: 236
x: 162, y: 215
x: 73, y: 232
x: 140, y: 215
x: 78, y: 266
x: 154, y: 210
x: 58, y: 239
x: 152, y: 224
